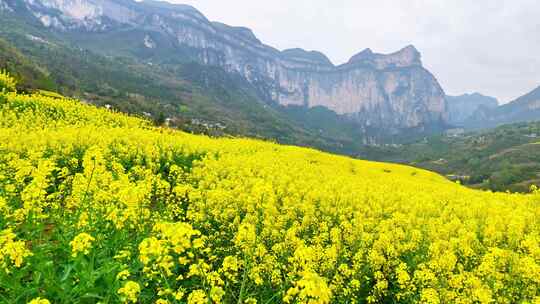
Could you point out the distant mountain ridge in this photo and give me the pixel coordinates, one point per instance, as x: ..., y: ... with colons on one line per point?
x: 463, y: 107
x: 392, y: 92
x: 523, y: 109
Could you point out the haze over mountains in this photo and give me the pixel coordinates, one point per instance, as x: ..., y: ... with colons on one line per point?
x: 370, y: 97
x: 462, y: 108
x: 524, y: 108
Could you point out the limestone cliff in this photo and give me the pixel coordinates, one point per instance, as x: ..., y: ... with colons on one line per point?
x: 391, y: 91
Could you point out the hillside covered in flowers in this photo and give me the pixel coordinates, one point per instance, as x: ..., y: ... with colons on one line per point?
x: 99, y: 207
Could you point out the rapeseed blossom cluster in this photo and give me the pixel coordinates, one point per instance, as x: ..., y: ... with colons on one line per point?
x: 81, y: 244
x: 7, y: 83
x: 39, y: 300
x: 12, y: 252
x: 96, y: 206
x: 130, y: 292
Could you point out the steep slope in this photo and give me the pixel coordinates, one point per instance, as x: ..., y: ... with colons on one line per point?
x: 28, y: 74
x: 393, y: 91
x: 523, y: 109
x: 461, y: 108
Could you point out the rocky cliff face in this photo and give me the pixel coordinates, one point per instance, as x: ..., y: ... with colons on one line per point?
x: 4, y: 6
x: 389, y: 91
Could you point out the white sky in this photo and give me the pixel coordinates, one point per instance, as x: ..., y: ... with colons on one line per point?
x: 486, y: 46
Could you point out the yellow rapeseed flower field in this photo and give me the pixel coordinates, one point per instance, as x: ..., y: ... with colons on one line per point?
x: 99, y: 207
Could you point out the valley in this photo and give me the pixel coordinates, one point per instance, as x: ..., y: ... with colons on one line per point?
x: 506, y: 158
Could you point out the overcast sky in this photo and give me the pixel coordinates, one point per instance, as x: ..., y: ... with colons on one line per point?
x: 486, y: 46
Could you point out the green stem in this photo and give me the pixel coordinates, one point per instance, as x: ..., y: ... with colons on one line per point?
x: 244, y: 279
x: 167, y: 283
x: 89, y: 181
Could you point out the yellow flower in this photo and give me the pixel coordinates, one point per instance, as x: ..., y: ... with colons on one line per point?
x: 200, y: 213
x: 246, y: 236
x: 130, y: 291
x: 11, y: 251
x: 83, y: 220
x: 197, y: 297
x: 39, y: 300
x: 82, y: 243
x: 179, y: 294
x: 230, y: 267
x: 123, y: 275
x: 156, y: 253
x: 311, y: 288
x: 122, y: 254
x: 430, y: 296
x: 7, y: 83
x: 216, y: 294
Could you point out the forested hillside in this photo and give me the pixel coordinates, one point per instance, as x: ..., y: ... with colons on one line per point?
x: 28, y: 75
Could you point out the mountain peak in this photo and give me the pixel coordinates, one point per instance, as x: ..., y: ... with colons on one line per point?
x: 303, y: 55
x: 238, y: 31
x: 157, y: 4
x: 407, y: 56
x: 531, y: 97
x: 360, y: 90
x: 167, y: 7
x: 362, y: 56
x: 409, y: 48
x: 464, y: 107
x: 92, y: 15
